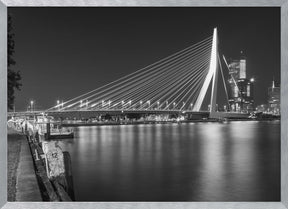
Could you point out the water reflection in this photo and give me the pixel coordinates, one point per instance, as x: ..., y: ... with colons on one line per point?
x: 235, y: 161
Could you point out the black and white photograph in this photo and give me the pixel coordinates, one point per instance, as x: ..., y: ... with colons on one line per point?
x: 143, y: 104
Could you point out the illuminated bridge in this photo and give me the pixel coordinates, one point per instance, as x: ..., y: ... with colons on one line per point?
x: 176, y: 84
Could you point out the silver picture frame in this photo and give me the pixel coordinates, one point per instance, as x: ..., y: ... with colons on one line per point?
x: 283, y: 4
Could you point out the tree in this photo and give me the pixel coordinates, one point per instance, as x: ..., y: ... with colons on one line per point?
x: 13, y: 77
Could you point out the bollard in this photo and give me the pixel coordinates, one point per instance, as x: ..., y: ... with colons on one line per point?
x: 36, y: 155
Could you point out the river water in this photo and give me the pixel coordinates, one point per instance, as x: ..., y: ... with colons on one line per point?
x: 234, y: 161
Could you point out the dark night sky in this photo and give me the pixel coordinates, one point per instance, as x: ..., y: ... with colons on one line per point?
x: 65, y: 52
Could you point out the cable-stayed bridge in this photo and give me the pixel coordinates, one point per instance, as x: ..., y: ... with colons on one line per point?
x: 178, y: 83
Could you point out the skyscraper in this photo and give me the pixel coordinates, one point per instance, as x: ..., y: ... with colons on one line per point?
x: 241, y: 91
x: 274, y: 99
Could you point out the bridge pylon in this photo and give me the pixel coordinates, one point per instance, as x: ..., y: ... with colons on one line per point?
x: 211, y: 76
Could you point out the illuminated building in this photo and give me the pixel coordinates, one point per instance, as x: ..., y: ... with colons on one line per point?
x: 274, y: 99
x: 241, y: 91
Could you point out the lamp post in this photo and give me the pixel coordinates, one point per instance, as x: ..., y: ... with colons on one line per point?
x: 31, y: 104
x: 183, y: 105
x: 148, y: 104
x: 58, y: 104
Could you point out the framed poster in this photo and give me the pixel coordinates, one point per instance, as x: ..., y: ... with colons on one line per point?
x: 152, y: 142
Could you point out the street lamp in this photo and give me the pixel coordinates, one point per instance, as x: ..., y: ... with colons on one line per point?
x: 252, y: 80
x: 191, y: 106
x: 58, y: 102
x: 183, y: 105
x: 148, y: 104
x: 31, y: 103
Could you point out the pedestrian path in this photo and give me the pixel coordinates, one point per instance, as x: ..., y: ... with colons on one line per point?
x: 27, y: 188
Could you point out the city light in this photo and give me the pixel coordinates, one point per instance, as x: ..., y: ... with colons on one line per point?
x: 58, y: 104
x: 31, y: 105
x: 252, y: 80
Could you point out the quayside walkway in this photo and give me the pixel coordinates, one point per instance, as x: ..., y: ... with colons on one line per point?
x: 27, y: 188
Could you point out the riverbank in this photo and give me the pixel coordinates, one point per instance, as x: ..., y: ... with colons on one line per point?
x: 29, y: 178
x: 14, y: 148
x: 22, y: 181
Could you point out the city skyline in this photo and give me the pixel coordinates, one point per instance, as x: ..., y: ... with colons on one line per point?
x: 76, y: 57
